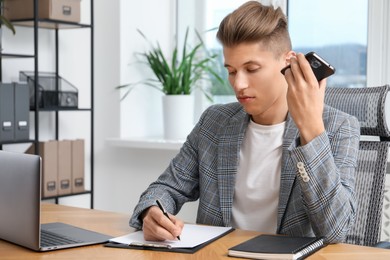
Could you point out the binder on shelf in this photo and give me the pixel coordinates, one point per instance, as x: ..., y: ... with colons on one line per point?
x: 21, y: 102
x: 78, y: 165
x: 6, y: 112
x: 49, y: 153
x: 64, y: 167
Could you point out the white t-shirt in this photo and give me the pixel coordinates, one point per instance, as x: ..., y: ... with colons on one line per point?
x: 256, y: 194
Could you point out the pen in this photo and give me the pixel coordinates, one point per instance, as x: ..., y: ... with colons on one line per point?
x: 164, y: 212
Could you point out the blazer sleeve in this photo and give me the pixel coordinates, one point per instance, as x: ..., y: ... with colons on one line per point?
x: 327, y: 191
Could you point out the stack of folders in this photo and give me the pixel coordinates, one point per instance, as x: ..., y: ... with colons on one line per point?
x: 62, y: 166
x: 277, y: 247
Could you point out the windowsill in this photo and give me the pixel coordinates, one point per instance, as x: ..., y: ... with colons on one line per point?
x: 146, y: 143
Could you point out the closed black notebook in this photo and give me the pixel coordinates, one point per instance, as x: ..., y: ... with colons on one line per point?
x: 277, y: 247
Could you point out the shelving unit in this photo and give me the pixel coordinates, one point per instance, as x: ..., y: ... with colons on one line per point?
x: 37, y: 24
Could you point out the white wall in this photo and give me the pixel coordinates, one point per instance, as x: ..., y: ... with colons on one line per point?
x: 139, y: 113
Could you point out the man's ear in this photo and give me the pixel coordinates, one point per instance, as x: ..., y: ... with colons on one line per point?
x: 288, y: 56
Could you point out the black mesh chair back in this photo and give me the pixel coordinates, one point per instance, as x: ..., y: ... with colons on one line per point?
x: 368, y: 105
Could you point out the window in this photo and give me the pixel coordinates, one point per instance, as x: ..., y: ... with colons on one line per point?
x: 337, y: 31
x: 353, y: 35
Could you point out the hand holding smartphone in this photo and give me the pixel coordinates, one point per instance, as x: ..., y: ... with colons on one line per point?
x: 320, y: 67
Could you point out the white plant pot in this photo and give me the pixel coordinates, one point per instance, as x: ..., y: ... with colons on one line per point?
x: 178, y: 115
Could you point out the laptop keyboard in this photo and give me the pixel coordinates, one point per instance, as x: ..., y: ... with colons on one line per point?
x: 52, y: 239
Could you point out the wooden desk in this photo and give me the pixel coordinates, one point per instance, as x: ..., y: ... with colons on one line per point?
x: 116, y: 224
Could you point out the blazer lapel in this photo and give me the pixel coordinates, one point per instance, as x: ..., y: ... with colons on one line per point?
x: 288, y: 170
x: 231, y: 137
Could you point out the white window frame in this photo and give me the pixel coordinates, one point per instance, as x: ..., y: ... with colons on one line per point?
x: 378, y: 43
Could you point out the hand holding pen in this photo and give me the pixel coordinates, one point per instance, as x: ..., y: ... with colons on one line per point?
x: 164, y: 212
x: 158, y: 225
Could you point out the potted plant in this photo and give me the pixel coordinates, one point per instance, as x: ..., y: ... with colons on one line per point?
x: 177, y: 77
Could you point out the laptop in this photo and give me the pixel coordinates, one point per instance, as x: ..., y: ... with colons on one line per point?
x: 20, y: 200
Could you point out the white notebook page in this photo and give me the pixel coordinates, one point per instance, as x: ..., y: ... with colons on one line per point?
x: 191, y: 236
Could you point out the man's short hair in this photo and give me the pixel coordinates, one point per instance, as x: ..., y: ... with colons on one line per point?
x: 253, y: 22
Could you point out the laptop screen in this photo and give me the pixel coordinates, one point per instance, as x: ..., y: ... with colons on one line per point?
x: 20, y: 193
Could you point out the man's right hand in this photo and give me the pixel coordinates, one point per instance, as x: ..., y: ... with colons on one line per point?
x: 157, y: 227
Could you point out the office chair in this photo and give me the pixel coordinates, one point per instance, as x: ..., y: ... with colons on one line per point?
x: 368, y: 105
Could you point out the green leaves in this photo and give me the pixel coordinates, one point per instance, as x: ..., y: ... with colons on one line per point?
x: 178, y: 75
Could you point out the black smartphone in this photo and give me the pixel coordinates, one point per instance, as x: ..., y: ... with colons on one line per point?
x: 320, y: 67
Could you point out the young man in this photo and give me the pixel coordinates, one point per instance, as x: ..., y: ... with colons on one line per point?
x: 276, y: 161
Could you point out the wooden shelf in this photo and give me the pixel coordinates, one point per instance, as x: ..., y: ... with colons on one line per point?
x: 67, y: 195
x: 49, y: 24
x: 54, y: 109
x: 16, y: 142
x: 146, y: 143
x: 14, y: 56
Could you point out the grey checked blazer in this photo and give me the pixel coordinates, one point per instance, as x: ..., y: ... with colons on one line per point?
x: 205, y: 168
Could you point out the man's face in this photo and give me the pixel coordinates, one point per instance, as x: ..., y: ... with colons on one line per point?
x: 254, y: 73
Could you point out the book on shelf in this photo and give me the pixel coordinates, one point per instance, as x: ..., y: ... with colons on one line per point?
x: 277, y: 247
